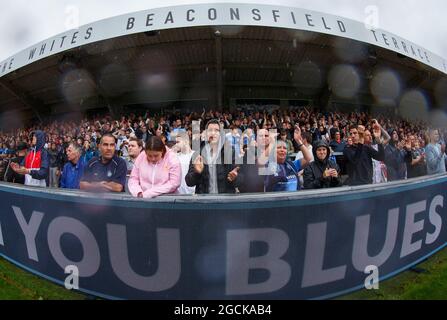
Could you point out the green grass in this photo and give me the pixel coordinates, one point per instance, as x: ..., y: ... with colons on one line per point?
x: 410, y: 285
x: 16, y: 284
x: 432, y: 284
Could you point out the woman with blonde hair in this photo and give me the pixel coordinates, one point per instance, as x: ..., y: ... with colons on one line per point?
x: 435, y: 153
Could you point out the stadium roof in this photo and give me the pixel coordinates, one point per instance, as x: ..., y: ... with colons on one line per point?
x: 144, y: 58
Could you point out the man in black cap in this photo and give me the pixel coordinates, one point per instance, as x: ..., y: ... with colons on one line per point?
x: 11, y: 175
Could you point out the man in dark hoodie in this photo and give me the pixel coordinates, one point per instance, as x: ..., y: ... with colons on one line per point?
x: 359, y: 156
x: 322, y: 173
x: 397, y: 155
x: 35, y: 166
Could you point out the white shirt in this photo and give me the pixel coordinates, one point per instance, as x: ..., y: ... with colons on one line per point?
x: 379, y: 169
x: 300, y: 155
x: 185, y: 160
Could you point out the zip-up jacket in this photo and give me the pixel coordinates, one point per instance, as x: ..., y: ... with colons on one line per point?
x: 153, y: 180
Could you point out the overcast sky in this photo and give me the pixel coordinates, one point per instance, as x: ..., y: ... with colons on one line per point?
x: 24, y: 23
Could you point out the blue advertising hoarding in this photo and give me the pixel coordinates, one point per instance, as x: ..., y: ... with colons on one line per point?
x: 305, y: 245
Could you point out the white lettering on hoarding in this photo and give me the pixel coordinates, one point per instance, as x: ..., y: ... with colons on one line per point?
x: 412, y: 227
x: 435, y: 219
x: 169, y: 264
x: 314, y: 273
x: 360, y: 255
x: 29, y: 230
x: 421, y: 225
x: 239, y: 262
x: 91, y: 259
x: 2, y: 243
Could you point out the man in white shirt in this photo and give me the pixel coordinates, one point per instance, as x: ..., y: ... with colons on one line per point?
x: 184, y: 154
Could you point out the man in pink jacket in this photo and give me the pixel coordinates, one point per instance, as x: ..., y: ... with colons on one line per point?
x: 156, y: 171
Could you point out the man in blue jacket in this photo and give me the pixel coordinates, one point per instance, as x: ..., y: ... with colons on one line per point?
x: 73, y: 169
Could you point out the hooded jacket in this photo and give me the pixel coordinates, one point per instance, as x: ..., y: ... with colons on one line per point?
x: 153, y: 180
x: 359, y: 162
x: 37, y: 159
x: 313, y: 173
x: 396, y: 160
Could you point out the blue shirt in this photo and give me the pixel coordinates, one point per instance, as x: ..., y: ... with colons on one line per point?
x: 88, y: 155
x: 71, y: 174
x: 235, y: 143
x: 113, y: 171
x: 285, y: 178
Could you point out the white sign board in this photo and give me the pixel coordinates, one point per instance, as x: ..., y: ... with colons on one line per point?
x: 227, y: 14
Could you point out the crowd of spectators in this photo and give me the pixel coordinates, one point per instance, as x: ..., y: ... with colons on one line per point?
x: 270, y: 150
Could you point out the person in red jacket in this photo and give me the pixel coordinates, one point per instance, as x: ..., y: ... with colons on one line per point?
x: 35, y: 166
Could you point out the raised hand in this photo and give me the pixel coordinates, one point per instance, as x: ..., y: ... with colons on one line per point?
x: 377, y: 132
x: 199, y: 165
x: 297, y: 135
x: 408, y: 144
x: 361, y: 129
